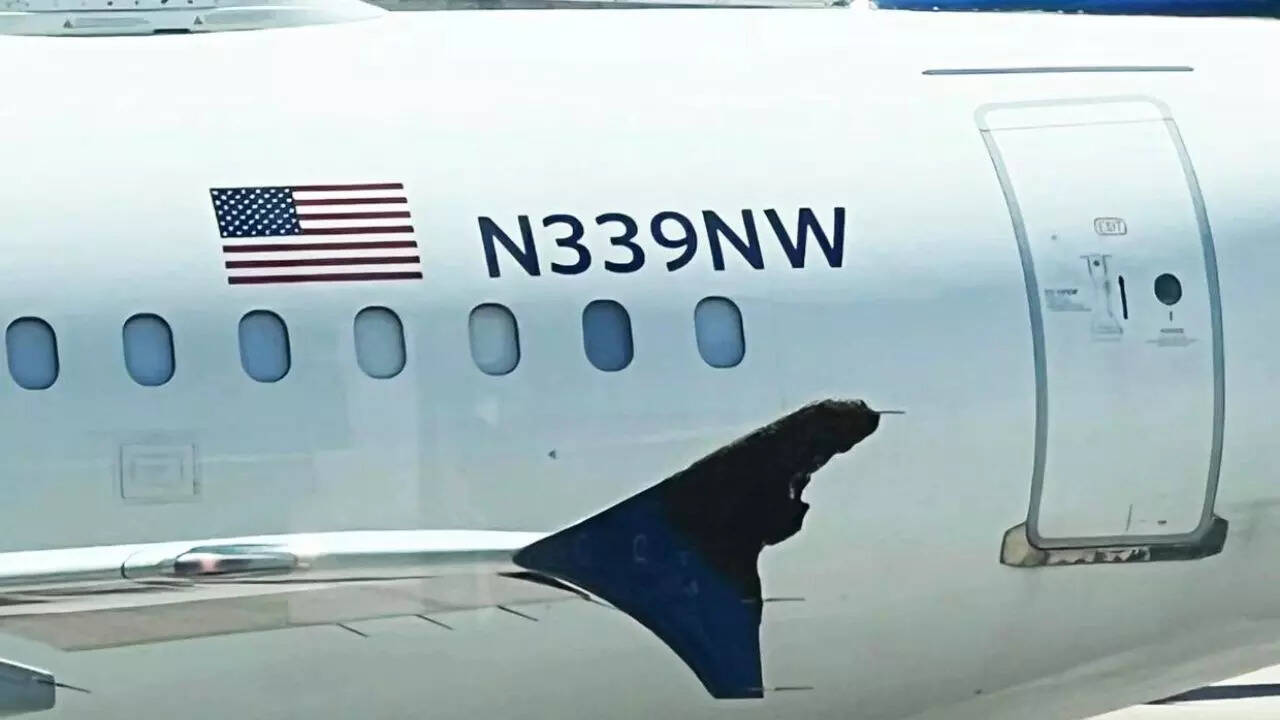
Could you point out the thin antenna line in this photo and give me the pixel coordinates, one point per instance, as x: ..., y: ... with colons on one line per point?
x: 433, y: 621
x: 517, y: 613
x: 350, y: 629
x: 64, y: 686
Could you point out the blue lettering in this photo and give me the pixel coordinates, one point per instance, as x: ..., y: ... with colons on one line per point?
x: 833, y: 249
x: 689, y: 241
x: 624, y: 240
x: 527, y: 255
x: 748, y: 249
x: 573, y: 241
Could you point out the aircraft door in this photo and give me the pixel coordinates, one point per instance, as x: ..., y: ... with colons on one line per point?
x: 1122, y: 285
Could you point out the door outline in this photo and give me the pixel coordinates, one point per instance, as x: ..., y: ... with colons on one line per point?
x: 1203, y: 531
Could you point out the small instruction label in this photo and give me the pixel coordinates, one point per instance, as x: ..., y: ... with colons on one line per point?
x: 1064, y: 300
x: 1172, y: 337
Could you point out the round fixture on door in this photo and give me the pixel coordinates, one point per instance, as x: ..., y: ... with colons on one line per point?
x: 1168, y: 289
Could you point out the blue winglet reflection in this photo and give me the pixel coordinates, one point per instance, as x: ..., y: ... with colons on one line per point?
x: 680, y: 557
x: 632, y: 557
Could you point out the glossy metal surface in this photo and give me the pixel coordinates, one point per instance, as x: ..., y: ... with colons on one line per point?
x: 318, y: 557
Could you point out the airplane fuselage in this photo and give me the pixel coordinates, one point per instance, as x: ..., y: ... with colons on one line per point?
x: 887, y: 224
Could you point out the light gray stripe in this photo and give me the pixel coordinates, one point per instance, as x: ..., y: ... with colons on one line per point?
x: 1037, y: 329
x: 1063, y: 69
x: 1215, y: 319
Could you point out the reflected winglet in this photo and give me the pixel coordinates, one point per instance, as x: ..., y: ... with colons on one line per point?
x: 680, y: 557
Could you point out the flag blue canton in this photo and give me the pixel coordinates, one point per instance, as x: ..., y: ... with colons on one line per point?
x: 256, y: 212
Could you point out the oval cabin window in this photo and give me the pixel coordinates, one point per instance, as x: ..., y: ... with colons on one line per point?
x: 148, y: 350
x: 33, y: 353
x: 379, y: 342
x: 606, y: 335
x: 495, y: 339
x: 264, y: 346
x: 717, y: 324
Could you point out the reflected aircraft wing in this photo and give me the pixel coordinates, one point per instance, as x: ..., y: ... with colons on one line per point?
x: 88, y: 598
x: 680, y: 558
x: 196, y: 614
x: 82, y: 598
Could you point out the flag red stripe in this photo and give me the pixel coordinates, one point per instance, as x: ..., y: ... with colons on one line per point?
x: 354, y: 215
x: 355, y: 201
x: 285, y: 247
x: 335, y: 277
x: 371, y: 229
x: 323, y: 262
x: 367, y: 186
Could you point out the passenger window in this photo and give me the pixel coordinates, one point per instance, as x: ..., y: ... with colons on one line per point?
x: 148, y: 350
x: 264, y: 346
x: 379, y: 342
x: 717, y: 324
x: 33, y: 353
x: 495, y: 339
x: 606, y: 335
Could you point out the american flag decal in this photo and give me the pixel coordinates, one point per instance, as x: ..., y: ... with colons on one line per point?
x: 316, y: 233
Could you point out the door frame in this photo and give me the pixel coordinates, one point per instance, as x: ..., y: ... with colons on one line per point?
x: 1211, y: 530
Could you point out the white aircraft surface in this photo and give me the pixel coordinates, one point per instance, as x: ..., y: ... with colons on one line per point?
x: 473, y: 364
